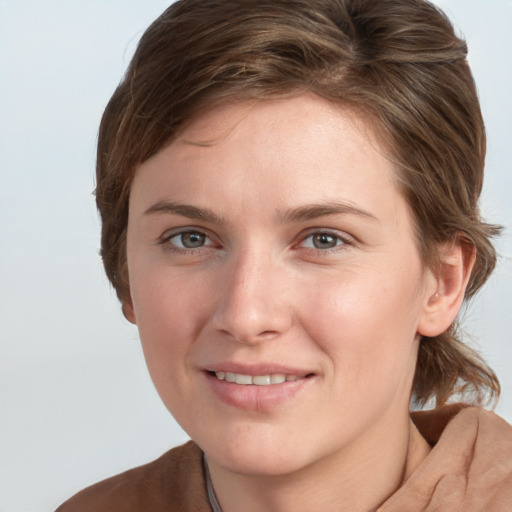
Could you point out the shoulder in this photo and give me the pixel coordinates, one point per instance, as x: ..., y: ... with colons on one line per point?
x: 470, y: 465
x: 455, y: 418
x: 174, y: 481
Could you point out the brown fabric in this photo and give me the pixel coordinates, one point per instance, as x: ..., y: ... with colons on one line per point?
x: 468, y: 470
x: 172, y: 483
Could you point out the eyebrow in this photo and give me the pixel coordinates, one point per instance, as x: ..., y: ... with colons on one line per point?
x: 185, y: 210
x: 301, y: 213
x: 314, y: 211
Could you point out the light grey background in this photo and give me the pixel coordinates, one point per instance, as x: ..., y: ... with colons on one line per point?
x: 77, y: 404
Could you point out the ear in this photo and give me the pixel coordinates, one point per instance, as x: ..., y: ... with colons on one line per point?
x: 128, y: 311
x: 442, y: 305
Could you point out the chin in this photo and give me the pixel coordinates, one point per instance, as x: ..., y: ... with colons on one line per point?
x: 260, y: 463
x: 267, y: 454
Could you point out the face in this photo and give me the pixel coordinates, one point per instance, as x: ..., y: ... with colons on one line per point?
x: 276, y: 283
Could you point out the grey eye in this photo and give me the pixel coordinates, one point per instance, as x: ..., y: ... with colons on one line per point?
x: 189, y: 240
x: 324, y: 240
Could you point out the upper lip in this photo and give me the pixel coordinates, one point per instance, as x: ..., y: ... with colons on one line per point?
x: 256, y: 369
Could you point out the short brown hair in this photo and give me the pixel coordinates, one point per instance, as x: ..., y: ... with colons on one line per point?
x: 397, y: 61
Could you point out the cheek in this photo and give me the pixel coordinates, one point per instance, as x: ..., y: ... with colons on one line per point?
x: 367, y: 327
x: 169, y: 315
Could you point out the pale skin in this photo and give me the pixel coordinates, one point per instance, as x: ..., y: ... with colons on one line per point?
x: 271, y: 238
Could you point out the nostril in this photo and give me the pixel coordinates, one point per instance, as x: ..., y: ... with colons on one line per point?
x: 267, y: 334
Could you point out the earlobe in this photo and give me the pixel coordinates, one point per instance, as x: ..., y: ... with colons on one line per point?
x: 441, y: 307
x: 128, y: 311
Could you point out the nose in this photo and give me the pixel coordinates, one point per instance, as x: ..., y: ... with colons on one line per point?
x: 253, y: 303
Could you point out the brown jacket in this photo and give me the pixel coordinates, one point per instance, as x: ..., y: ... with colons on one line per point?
x: 468, y: 470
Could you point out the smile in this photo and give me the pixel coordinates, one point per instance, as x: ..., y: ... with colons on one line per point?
x: 256, y: 380
x: 258, y: 389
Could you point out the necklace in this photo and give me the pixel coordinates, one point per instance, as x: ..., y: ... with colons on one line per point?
x: 209, y: 488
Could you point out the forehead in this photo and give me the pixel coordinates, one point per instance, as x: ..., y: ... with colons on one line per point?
x: 273, y: 153
x: 214, y: 124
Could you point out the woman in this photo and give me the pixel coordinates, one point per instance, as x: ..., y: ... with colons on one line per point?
x: 289, y: 197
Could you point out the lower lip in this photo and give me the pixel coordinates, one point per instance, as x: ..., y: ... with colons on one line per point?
x: 256, y: 398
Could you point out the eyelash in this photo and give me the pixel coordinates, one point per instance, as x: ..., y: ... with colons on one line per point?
x: 165, y: 240
x: 344, y: 241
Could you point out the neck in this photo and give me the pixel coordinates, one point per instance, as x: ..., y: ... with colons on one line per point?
x: 358, y: 478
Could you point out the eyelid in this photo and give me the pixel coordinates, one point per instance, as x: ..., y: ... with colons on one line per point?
x: 166, y: 236
x: 346, y: 239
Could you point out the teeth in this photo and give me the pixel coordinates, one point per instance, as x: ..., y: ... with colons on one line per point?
x: 243, y: 379
x: 258, y: 380
x: 262, y: 380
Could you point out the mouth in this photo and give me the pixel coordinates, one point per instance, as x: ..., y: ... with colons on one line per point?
x: 258, y: 389
x: 258, y: 380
